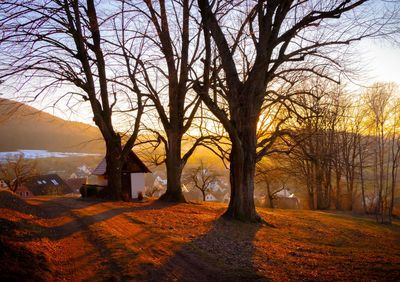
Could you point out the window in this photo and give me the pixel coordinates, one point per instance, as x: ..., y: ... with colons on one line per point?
x: 44, y: 182
x: 39, y: 182
x: 54, y: 182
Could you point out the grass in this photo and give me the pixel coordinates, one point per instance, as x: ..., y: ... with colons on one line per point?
x: 152, y: 241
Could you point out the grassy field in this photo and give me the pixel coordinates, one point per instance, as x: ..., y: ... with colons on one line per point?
x: 68, y: 239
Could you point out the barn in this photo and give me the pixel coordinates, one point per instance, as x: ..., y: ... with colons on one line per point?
x: 133, y: 175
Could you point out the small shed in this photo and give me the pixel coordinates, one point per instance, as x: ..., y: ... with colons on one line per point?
x: 133, y: 175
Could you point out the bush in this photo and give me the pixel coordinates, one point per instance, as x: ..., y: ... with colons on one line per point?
x: 140, y: 196
x: 90, y: 191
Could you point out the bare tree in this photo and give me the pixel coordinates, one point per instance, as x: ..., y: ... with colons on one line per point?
x: 394, y: 155
x: 273, y: 178
x: 152, y: 190
x: 316, y: 155
x: 281, y: 37
x: 202, y: 178
x: 65, y: 46
x: 14, y: 172
x: 378, y: 100
x: 174, y: 37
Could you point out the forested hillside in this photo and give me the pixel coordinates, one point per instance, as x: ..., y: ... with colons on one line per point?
x: 24, y: 127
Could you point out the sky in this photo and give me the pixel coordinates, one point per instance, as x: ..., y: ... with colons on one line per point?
x: 380, y: 61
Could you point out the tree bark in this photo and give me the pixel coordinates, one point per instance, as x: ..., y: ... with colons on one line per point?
x: 318, y: 186
x: 338, y: 191
x: 311, y: 200
x: 114, y: 163
x: 270, y: 197
x: 174, y: 165
x: 242, y: 170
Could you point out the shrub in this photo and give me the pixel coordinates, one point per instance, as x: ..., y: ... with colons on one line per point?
x: 89, y: 190
x: 140, y: 196
x: 126, y: 197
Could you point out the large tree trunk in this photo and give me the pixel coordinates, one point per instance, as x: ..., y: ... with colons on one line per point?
x: 174, y: 165
x: 270, y: 197
x: 242, y: 171
x: 310, y: 185
x: 114, y: 168
x: 318, y: 188
x: 311, y: 200
x: 338, y: 191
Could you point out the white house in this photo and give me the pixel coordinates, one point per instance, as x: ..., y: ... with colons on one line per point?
x: 285, y: 193
x: 133, y: 175
x: 211, y: 198
x: 285, y: 199
x: 3, y: 184
x: 216, y: 187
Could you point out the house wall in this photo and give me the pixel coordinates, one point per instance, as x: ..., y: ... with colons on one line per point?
x: 99, y: 180
x: 210, y: 198
x: 286, y: 203
x: 25, y: 194
x: 23, y: 191
x: 137, y: 184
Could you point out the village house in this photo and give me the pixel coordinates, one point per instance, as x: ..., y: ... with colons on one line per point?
x: 215, y: 193
x: 75, y: 183
x: 3, y: 184
x: 81, y: 172
x: 133, y: 175
x: 40, y: 185
x: 211, y: 198
x: 285, y: 199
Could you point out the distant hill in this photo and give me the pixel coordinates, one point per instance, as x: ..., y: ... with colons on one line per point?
x: 24, y: 127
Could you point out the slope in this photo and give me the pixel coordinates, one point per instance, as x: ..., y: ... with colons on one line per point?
x: 151, y: 241
x: 24, y: 127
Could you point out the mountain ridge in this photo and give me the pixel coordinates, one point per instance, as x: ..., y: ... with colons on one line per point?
x: 25, y: 127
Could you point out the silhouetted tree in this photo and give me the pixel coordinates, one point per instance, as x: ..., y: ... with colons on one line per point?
x: 273, y: 179
x: 379, y: 100
x: 48, y: 44
x: 15, y: 172
x: 261, y: 44
x: 174, y: 37
x: 202, y: 178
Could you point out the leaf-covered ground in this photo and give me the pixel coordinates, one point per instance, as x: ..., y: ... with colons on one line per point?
x: 68, y: 239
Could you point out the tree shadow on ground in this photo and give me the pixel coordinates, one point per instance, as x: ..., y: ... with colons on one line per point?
x: 225, y: 253
x: 33, y: 231
x: 60, y: 206
x: 9, y: 200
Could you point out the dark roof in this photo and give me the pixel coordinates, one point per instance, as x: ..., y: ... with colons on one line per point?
x: 49, y: 184
x: 132, y: 164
